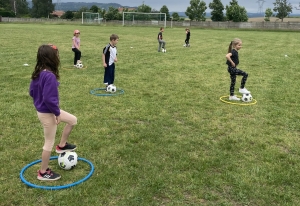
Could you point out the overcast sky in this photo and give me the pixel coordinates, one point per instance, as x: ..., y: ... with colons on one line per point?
x: 181, y: 5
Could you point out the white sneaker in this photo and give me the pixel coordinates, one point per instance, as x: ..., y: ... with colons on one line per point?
x: 244, y: 91
x: 184, y: 45
x: 234, y: 98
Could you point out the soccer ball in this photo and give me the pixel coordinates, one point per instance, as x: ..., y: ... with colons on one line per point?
x: 79, y: 65
x: 247, y: 98
x: 67, y: 160
x: 164, y: 50
x: 111, y: 88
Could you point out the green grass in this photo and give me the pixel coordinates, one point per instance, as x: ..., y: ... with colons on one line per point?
x: 168, y: 140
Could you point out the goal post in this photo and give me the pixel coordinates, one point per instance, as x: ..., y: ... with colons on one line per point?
x: 155, y: 18
x: 90, y: 18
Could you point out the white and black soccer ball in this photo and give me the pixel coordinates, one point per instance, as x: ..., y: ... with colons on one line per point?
x: 164, y: 50
x: 67, y: 160
x: 79, y: 65
x: 247, y: 98
x: 111, y: 88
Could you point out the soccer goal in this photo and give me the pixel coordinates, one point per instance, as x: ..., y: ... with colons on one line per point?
x: 132, y: 18
x: 91, y: 18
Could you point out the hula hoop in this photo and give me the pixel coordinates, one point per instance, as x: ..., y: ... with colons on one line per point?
x: 55, y: 187
x: 241, y: 104
x: 94, y: 92
x: 74, y: 68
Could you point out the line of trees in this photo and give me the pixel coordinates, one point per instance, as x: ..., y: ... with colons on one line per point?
x: 195, y: 12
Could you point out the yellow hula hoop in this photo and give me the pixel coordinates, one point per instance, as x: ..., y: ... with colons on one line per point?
x: 72, y: 68
x: 241, y: 104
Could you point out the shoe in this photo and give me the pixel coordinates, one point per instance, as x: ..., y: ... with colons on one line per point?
x: 244, y: 91
x: 234, y: 98
x: 184, y: 45
x: 48, y: 175
x: 66, y: 148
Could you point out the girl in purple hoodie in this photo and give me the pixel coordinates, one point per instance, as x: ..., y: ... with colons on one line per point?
x: 44, y: 91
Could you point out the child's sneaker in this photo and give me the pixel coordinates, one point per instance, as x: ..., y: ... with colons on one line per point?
x: 67, y: 148
x: 49, y: 175
x: 184, y: 45
x: 244, y: 91
x: 234, y: 98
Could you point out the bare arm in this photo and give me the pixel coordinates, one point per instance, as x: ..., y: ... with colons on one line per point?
x: 229, y: 59
x: 103, y: 60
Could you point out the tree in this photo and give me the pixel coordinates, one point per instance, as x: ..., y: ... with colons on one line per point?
x: 144, y: 8
x: 217, y: 10
x: 236, y: 13
x: 164, y: 9
x: 68, y: 15
x: 112, y: 13
x: 197, y: 10
x: 18, y: 7
x: 175, y: 16
x: 283, y: 8
x: 268, y: 14
x: 102, y: 12
x: 42, y: 8
x: 94, y: 9
x: 78, y: 14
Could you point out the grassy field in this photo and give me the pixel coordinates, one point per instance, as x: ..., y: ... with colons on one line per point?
x: 168, y: 140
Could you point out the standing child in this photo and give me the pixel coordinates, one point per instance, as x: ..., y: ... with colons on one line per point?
x: 76, y: 47
x: 161, y: 42
x: 187, y: 38
x: 44, y: 91
x: 232, y: 62
x: 109, y: 57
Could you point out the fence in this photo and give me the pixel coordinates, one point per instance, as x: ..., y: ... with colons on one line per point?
x: 202, y: 24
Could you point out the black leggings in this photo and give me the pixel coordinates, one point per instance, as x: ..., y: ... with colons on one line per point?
x: 77, y: 55
x: 187, y: 41
x: 233, y: 71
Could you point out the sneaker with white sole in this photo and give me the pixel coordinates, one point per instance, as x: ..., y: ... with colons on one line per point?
x: 67, y: 148
x: 49, y: 175
x: 244, y: 91
x: 234, y: 98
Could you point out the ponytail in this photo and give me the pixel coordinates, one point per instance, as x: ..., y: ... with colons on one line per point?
x: 230, y: 47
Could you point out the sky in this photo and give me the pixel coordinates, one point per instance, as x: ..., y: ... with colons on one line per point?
x: 252, y: 6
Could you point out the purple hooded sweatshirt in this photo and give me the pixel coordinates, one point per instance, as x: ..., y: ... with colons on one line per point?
x: 44, y: 91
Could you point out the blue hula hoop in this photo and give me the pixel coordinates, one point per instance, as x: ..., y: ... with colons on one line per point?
x: 55, y: 187
x: 94, y: 92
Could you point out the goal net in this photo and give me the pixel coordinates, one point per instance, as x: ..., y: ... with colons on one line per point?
x: 136, y: 18
x: 91, y: 18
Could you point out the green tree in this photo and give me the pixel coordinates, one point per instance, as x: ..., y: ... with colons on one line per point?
x: 112, y: 13
x: 283, y: 8
x: 217, y: 10
x: 94, y: 9
x: 42, y: 8
x: 197, y: 10
x: 164, y: 9
x: 18, y: 7
x: 268, y: 14
x: 102, y: 13
x: 144, y: 8
x: 21, y: 7
x: 68, y: 15
x: 78, y: 14
x: 175, y: 16
x: 236, y: 13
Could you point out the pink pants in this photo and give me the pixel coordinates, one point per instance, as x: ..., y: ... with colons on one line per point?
x: 48, y: 121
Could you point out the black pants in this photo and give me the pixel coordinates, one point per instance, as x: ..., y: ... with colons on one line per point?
x: 109, y: 74
x: 233, y: 71
x: 187, y: 41
x: 77, y: 55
